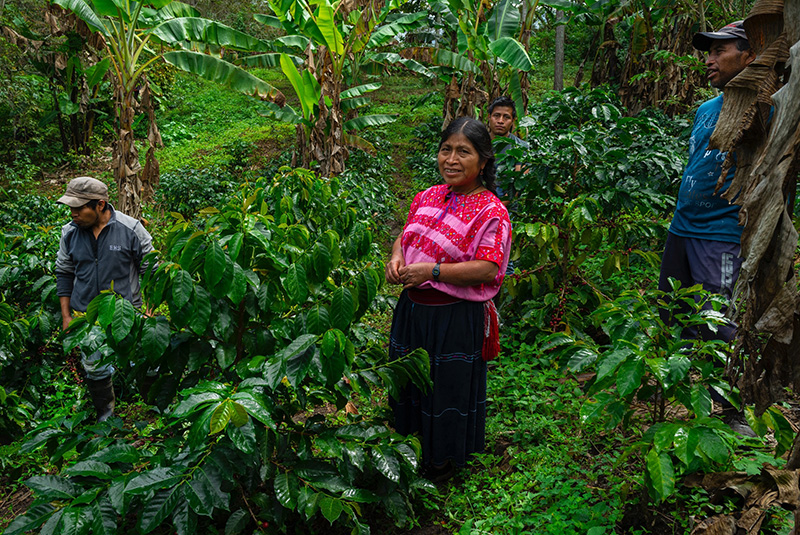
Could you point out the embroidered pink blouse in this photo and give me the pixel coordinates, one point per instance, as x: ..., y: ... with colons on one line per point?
x: 449, y: 228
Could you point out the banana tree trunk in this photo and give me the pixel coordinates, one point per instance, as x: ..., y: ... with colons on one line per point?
x: 125, y: 157
x: 324, y: 141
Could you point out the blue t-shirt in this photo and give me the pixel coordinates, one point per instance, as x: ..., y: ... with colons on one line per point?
x: 700, y: 213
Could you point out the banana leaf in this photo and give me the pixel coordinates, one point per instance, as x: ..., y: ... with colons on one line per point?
x: 358, y: 142
x: 222, y: 72
x: 326, y: 23
x: 354, y: 103
x: 444, y: 58
x: 359, y: 90
x: 512, y: 52
x: 386, y: 33
x: 84, y: 12
x: 182, y: 29
x: 287, y: 114
x: 504, y: 20
x: 269, y: 60
x: 410, y: 64
x: 368, y: 120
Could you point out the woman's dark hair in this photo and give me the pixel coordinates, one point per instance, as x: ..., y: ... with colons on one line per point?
x: 477, y: 134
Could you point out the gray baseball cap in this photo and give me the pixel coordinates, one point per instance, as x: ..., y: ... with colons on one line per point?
x: 82, y: 190
x: 734, y: 30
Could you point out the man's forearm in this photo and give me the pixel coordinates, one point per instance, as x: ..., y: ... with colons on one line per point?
x: 66, y: 311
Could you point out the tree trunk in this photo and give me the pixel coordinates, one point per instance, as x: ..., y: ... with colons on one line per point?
x: 558, y: 65
x: 125, y: 158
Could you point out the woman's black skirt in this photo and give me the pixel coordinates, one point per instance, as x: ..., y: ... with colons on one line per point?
x: 451, y: 418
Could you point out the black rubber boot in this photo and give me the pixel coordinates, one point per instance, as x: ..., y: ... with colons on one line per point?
x: 102, y: 392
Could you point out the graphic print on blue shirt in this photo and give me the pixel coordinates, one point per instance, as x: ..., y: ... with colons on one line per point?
x: 700, y: 213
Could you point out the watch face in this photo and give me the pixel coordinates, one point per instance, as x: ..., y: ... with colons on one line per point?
x: 436, y: 270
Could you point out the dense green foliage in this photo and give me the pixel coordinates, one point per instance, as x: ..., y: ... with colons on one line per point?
x: 593, y: 197
x: 286, y: 266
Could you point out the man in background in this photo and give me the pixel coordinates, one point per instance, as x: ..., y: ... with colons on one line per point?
x: 703, y: 244
x: 502, y: 115
x: 99, y: 248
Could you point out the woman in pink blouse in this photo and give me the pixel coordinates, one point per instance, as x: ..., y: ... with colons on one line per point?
x: 451, y: 258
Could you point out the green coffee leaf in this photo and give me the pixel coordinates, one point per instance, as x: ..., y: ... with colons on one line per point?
x: 295, y: 283
x: 52, y: 487
x: 661, y: 474
x: 331, y: 508
x: 285, y: 486
x: 124, y: 316
x: 157, y: 478
x: 201, y: 311
x: 236, y: 522
x: 182, y: 288
x: 221, y: 416
x: 342, y: 308
x: 215, y: 263
x: 90, y: 468
x: 155, y: 337
x: 159, y: 508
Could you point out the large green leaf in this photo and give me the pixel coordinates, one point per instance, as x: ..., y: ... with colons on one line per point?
x: 182, y: 286
x: 308, y: 98
x: 504, y: 20
x: 221, y: 416
x: 369, y: 120
x: 201, y: 311
x: 178, y: 31
x: 326, y: 23
x: 386, y: 463
x: 124, y: 316
x: 157, y: 478
x: 33, y: 518
x: 295, y: 283
x: 236, y: 522
x: 512, y: 52
x: 90, y: 469
x: 85, y: 13
x: 268, y: 60
x: 387, y: 32
x: 52, y: 487
x: 255, y: 407
x: 155, y: 337
x: 410, y: 64
x: 359, y: 90
x: 286, y: 114
x: 661, y: 474
x: 286, y: 489
x: 331, y: 508
x: 157, y: 508
x: 214, y: 265
x: 224, y: 73
x: 342, y: 308
x: 446, y: 58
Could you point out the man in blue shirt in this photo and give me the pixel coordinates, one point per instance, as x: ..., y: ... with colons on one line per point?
x: 703, y: 243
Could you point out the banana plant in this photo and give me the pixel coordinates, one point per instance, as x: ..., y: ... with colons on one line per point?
x: 135, y: 37
x: 484, y: 57
x: 337, y: 39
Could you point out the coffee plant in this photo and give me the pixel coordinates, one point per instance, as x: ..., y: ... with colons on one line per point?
x: 260, y: 297
x: 646, y: 360
x: 591, y: 200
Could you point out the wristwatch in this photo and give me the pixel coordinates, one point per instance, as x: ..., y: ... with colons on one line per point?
x: 436, y: 271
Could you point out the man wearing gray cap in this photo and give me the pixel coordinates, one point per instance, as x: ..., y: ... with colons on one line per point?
x: 703, y: 243
x: 100, y: 247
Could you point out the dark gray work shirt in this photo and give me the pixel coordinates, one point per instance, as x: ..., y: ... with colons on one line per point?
x: 86, y: 266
